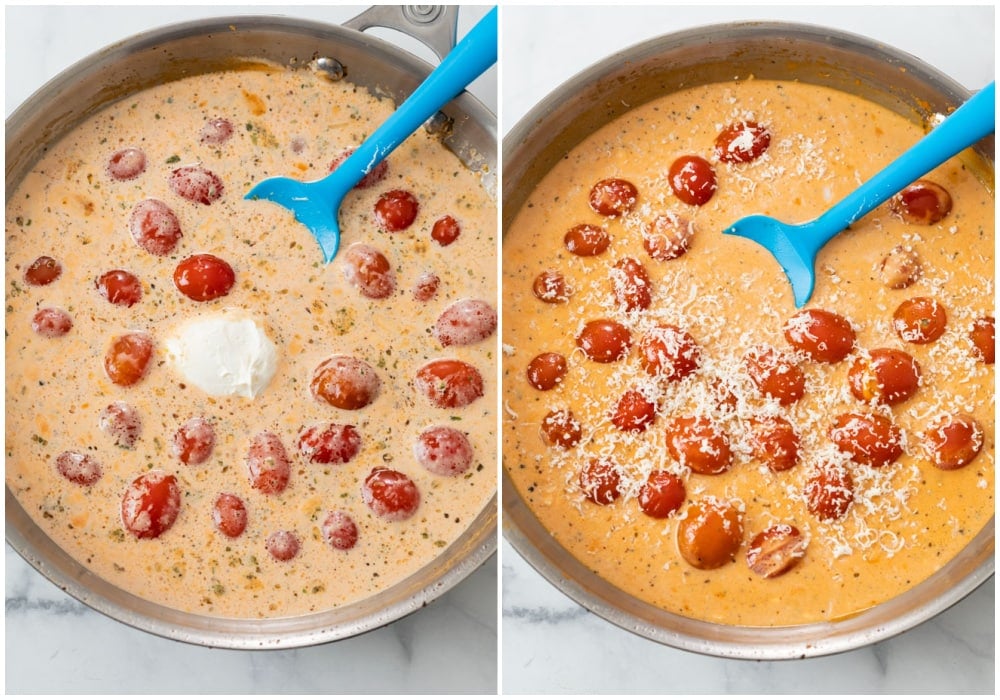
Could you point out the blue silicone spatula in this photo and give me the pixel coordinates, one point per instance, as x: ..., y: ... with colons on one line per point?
x: 795, y: 246
x: 317, y: 204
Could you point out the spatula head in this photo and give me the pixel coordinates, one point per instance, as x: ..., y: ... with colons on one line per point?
x: 314, y: 211
x: 791, y: 246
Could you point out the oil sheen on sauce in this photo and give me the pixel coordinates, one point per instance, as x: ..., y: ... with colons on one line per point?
x: 291, y: 123
x: 909, y: 518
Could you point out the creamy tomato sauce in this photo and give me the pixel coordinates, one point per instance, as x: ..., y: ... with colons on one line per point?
x: 243, y: 126
x: 907, y: 517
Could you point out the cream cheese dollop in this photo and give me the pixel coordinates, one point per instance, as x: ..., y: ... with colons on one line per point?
x: 224, y: 354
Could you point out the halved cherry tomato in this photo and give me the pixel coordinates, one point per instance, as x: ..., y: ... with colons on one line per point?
x: 229, y: 513
x: 127, y: 164
x: 120, y: 287
x: 332, y: 443
x: 634, y: 412
x: 586, y: 240
x: 742, y: 142
x: 776, y: 550
x: 151, y: 504
x: 923, y: 202
x: 51, y: 323
x: 426, y: 286
x: 79, y: 468
x: 267, y: 463
x: 662, y: 494
x: 669, y: 352
x: 196, y: 184
x: 884, y: 375
x: 372, y: 178
x: 216, y: 131
x: 546, y: 371
x: 829, y: 491
x: 604, y: 340
x: 822, y: 335
x: 953, y: 441
x: 869, y: 438
x: 600, y: 480
x: 775, y: 374
x: 900, y: 267
x: 396, y: 210
x: 692, y: 179
x: 369, y: 270
x: 631, y: 285
x: 550, y: 286
x: 449, y: 383
x: 155, y: 227
x: 774, y: 442
x: 121, y: 422
x: 465, y: 322
x: 194, y: 441
x: 128, y: 358
x: 204, y: 277
x: 699, y: 443
x: 613, y: 197
x: 44, y: 270
x: 339, y: 530
x: 710, y: 533
x: 390, y: 494
x: 919, y: 320
x: 668, y: 236
x: 345, y: 382
x: 446, y: 230
x: 444, y: 451
x: 562, y: 429
x: 283, y: 545
x: 983, y: 335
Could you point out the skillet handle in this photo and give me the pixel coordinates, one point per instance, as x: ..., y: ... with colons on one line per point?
x: 435, y: 26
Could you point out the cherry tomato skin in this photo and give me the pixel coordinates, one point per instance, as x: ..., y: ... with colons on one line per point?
x: 283, y: 545
x: 151, y: 504
x: 127, y: 164
x: 886, y: 375
x: 372, y: 178
x: 426, y: 286
x: 776, y: 550
x: 604, y: 340
x: 953, y: 441
x: 194, y: 441
x: 983, y: 336
x: 633, y: 412
x: 900, y: 267
x: 869, y: 438
x: 120, y: 287
x: 229, y: 513
x: 631, y: 285
x: 396, y: 210
x: 267, y: 463
x: 599, y: 481
x: 449, y: 383
x: 919, y: 320
x: 667, y: 237
x: 829, y: 491
x: 367, y: 269
x: 446, y: 230
x: 775, y: 375
x: 923, y: 202
x: 390, y: 494
x: 80, y: 468
x: 699, y: 443
x: 443, y: 451
x: 742, y: 142
x: 775, y: 443
x: 44, y: 270
x: 51, y: 323
x: 710, y: 533
x: 550, y: 286
x: 546, y: 371
x: 339, y: 530
x: 662, y: 494
x: 196, y: 184
x: 216, y: 132
x: 127, y: 358
x: 613, y: 197
x: 822, y: 335
x: 561, y: 429
x: 329, y: 444
x: 669, y: 352
x: 204, y: 277
x: 155, y: 227
x: 345, y: 382
x: 692, y: 179
x: 586, y: 240
x: 121, y: 422
x: 466, y: 322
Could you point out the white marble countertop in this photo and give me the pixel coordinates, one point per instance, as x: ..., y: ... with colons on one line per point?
x: 57, y: 645
x: 552, y: 645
